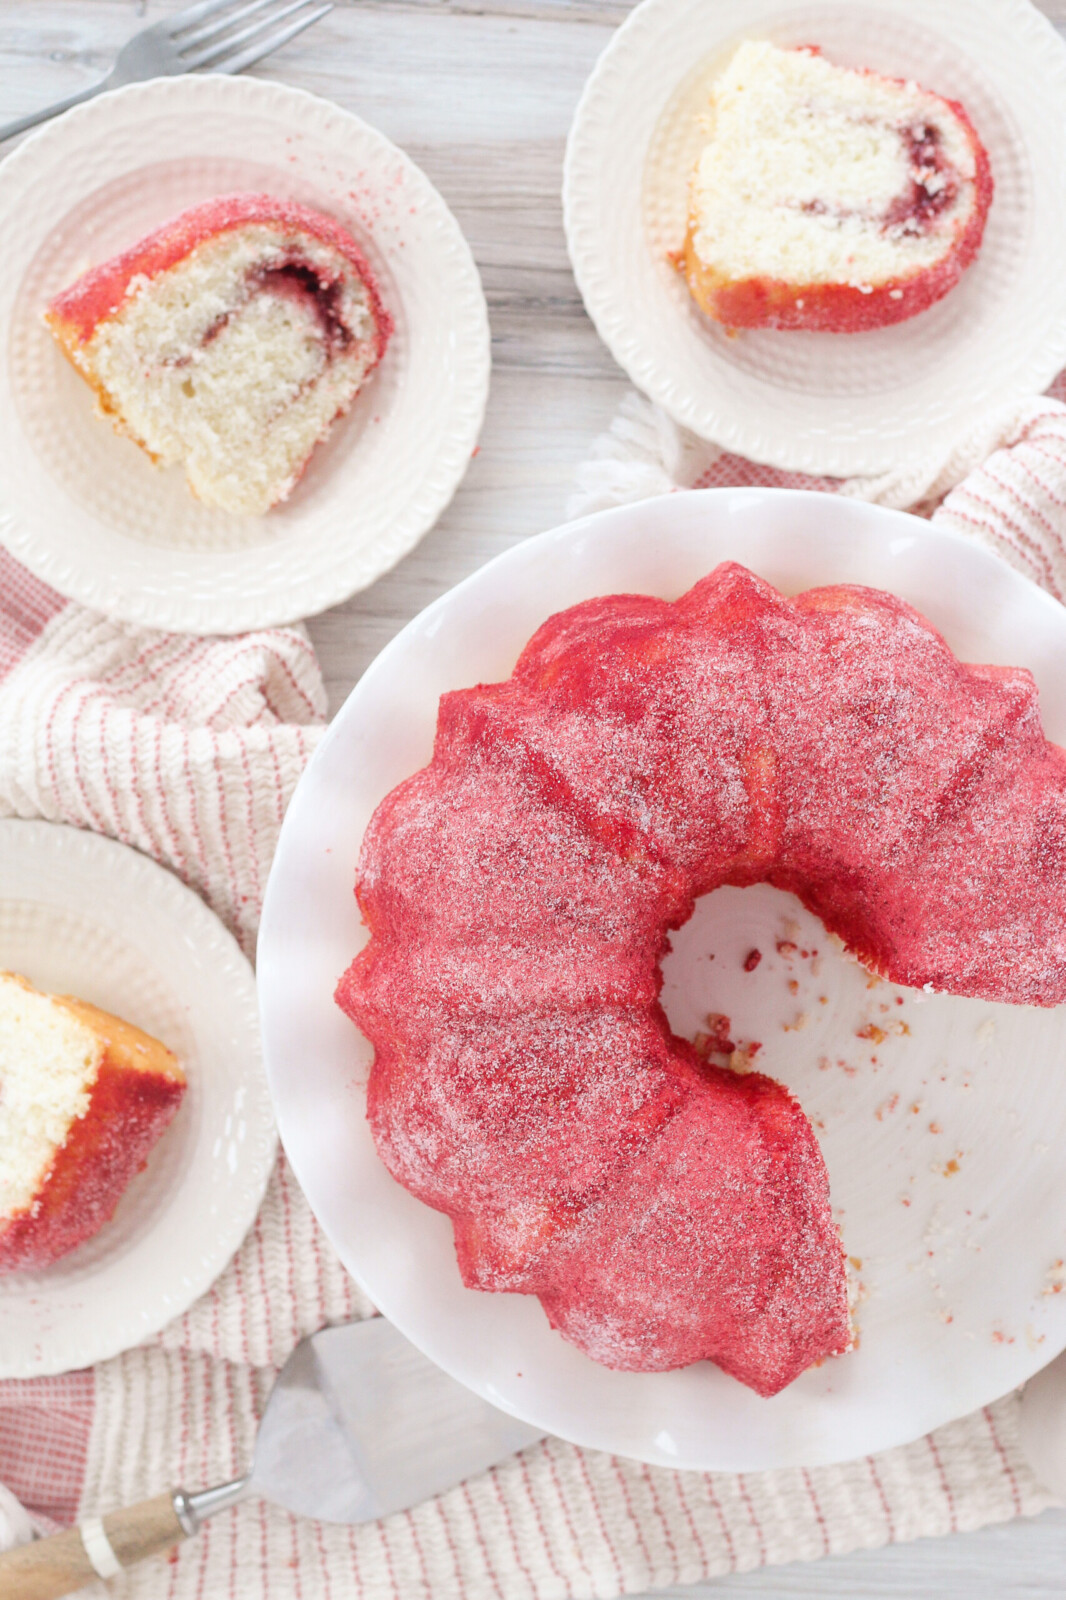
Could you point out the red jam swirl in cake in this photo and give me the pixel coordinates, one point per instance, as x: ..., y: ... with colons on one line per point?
x: 229, y: 340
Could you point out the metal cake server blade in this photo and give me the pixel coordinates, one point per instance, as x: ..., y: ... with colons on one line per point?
x: 359, y: 1424
x: 364, y: 1425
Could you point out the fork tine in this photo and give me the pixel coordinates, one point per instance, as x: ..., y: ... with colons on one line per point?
x: 178, y: 21
x: 220, y: 24
x: 256, y: 52
x: 222, y: 47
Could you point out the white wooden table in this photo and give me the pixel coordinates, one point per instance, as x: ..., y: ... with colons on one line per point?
x: 480, y: 93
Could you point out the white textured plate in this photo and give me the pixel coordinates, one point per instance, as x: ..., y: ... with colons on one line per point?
x: 84, y: 508
x: 955, y: 1263
x: 820, y: 402
x: 83, y: 915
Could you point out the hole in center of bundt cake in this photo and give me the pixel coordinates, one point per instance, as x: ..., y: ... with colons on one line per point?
x: 755, y: 983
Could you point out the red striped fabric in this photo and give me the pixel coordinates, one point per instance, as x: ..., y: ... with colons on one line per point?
x: 44, y: 1436
x: 26, y: 604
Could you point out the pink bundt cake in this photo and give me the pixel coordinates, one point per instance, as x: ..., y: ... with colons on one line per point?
x: 830, y: 199
x: 229, y: 341
x: 519, y: 891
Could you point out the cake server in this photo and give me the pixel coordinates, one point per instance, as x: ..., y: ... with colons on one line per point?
x: 359, y: 1424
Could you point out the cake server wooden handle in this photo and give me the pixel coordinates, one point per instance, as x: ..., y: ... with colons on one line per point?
x: 100, y: 1547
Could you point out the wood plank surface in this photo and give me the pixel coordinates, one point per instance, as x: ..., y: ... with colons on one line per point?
x: 480, y: 93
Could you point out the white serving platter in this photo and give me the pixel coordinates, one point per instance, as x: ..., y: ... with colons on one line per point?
x: 944, y: 1152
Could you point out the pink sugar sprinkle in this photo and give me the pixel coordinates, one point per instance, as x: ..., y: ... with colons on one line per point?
x: 520, y: 891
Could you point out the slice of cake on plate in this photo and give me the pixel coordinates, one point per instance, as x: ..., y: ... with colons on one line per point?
x: 84, y: 1097
x: 828, y: 198
x: 229, y: 340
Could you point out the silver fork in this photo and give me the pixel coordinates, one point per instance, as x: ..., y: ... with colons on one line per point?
x: 177, y: 44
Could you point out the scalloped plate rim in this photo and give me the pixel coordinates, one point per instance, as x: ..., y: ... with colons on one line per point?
x: 46, y: 1352
x: 592, y: 263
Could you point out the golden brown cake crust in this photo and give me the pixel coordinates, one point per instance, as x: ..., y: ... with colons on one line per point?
x: 125, y: 1047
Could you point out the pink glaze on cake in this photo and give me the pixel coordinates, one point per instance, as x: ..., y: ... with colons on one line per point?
x: 520, y: 890
x: 103, y: 291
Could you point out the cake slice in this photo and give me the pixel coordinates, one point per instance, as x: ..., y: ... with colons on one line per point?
x: 84, y: 1097
x: 830, y: 199
x: 229, y: 340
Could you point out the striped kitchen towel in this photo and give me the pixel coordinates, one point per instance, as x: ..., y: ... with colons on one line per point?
x: 189, y: 749
x: 1003, y: 485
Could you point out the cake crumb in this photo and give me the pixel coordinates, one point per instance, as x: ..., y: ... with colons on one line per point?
x: 743, y: 1056
x: 1054, y: 1279
x: 715, y: 1041
x: 752, y: 959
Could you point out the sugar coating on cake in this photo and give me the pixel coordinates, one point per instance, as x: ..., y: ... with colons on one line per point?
x: 83, y: 1098
x: 229, y: 341
x: 520, y: 890
x: 50, y: 1060
x: 830, y: 198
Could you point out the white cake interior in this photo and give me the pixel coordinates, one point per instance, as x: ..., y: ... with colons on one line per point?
x: 49, y: 1061
x: 235, y: 362
x: 806, y: 164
